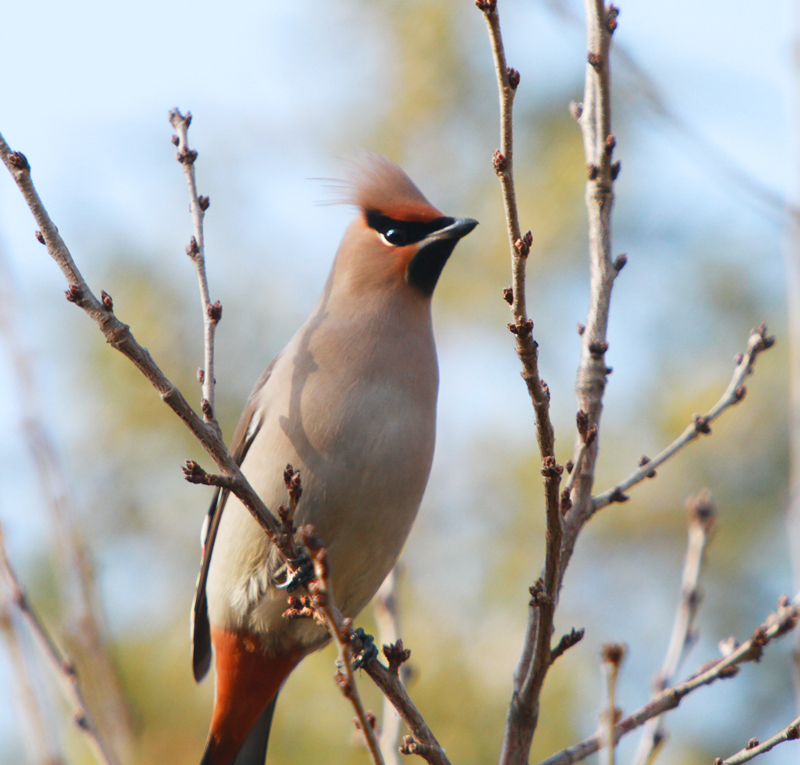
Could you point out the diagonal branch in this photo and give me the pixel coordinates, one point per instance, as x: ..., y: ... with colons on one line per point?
x: 758, y: 341
x: 702, y: 520
x: 790, y: 733
x: 212, y: 312
x: 63, y: 667
x: 341, y: 631
x: 777, y: 625
x: 119, y: 336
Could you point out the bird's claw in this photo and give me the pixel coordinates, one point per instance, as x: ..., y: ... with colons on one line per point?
x: 367, y: 650
x: 298, y: 571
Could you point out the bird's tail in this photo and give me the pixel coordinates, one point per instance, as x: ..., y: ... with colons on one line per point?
x: 254, y: 749
x: 247, y: 683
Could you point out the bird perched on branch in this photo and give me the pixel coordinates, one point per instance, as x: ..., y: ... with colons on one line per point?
x: 351, y: 403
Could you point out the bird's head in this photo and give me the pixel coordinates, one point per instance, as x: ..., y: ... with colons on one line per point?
x: 399, y: 240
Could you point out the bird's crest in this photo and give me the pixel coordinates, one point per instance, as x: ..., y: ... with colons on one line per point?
x: 374, y: 183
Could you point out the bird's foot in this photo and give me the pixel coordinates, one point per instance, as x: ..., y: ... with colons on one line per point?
x: 364, y: 649
x: 297, y: 572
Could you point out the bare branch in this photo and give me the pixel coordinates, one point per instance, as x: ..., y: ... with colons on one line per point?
x: 86, y: 622
x: 520, y: 245
x: 341, y: 631
x: 702, y: 518
x: 754, y: 748
x: 422, y: 741
x: 63, y: 667
x: 119, y: 336
x: 536, y: 654
x: 776, y: 625
x: 612, y: 660
x: 386, y: 609
x: 39, y: 741
x: 759, y: 341
x: 196, y: 251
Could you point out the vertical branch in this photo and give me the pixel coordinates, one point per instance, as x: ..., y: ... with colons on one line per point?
x: 61, y: 664
x: 387, y: 618
x: 702, y: 519
x: 212, y: 312
x: 612, y: 659
x: 535, y: 657
x: 594, y: 117
x: 792, y: 260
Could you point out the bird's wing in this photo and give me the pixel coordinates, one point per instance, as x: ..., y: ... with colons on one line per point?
x: 246, y: 430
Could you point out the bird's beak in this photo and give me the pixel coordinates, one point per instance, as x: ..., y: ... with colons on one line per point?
x: 460, y: 227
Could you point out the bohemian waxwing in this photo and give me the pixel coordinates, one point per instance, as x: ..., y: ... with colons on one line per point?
x: 350, y: 403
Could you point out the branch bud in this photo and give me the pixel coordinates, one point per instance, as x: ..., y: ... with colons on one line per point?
x: 19, y: 161
x: 499, y: 162
x: 204, y: 202
x: 40, y: 237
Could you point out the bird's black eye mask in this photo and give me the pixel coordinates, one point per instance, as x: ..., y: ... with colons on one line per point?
x: 399, y: 233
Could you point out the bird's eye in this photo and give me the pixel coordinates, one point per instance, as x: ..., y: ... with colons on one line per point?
x: 394, y: 236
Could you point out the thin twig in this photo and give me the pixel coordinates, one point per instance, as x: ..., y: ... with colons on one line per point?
x: 212, y: 313
x: 702, y: 519
x: 86, y: 622
x: 536, y: 652
x: 386, y: 609
x: 613, y: 655
x: 776, y: 625
x: 40, y: 739
x: 422, y: 741
x: 790, y: 733
x: 341, y: 631
x: 522, y: 327
x: 63, y: 667
x: 594, y: 118
x: 758, y: 341
x: 119, y: 336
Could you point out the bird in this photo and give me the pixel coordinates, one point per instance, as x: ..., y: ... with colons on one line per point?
x: 350, y: 402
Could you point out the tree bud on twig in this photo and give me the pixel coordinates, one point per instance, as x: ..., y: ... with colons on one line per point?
x: 611, y: 19
x: 610, y: 143
x: 615, y: 168
x: 40, y: 237
x: 186, y: 156
x: 508, y: 295
x: 620, y: 262
x: 106, y: 300
x: 513, y: 78
x: 19, y: 161
x: 74, y: 293
x: 701, y: 424
x: 215, y: 312
x: 487, y: 6
x: 499, y: 162
x: 597, y: 349
x: 576, y: 110
x: 192, y: 249
x: 644, y: 461
x: 595, y: 60
x: 204, y: 202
